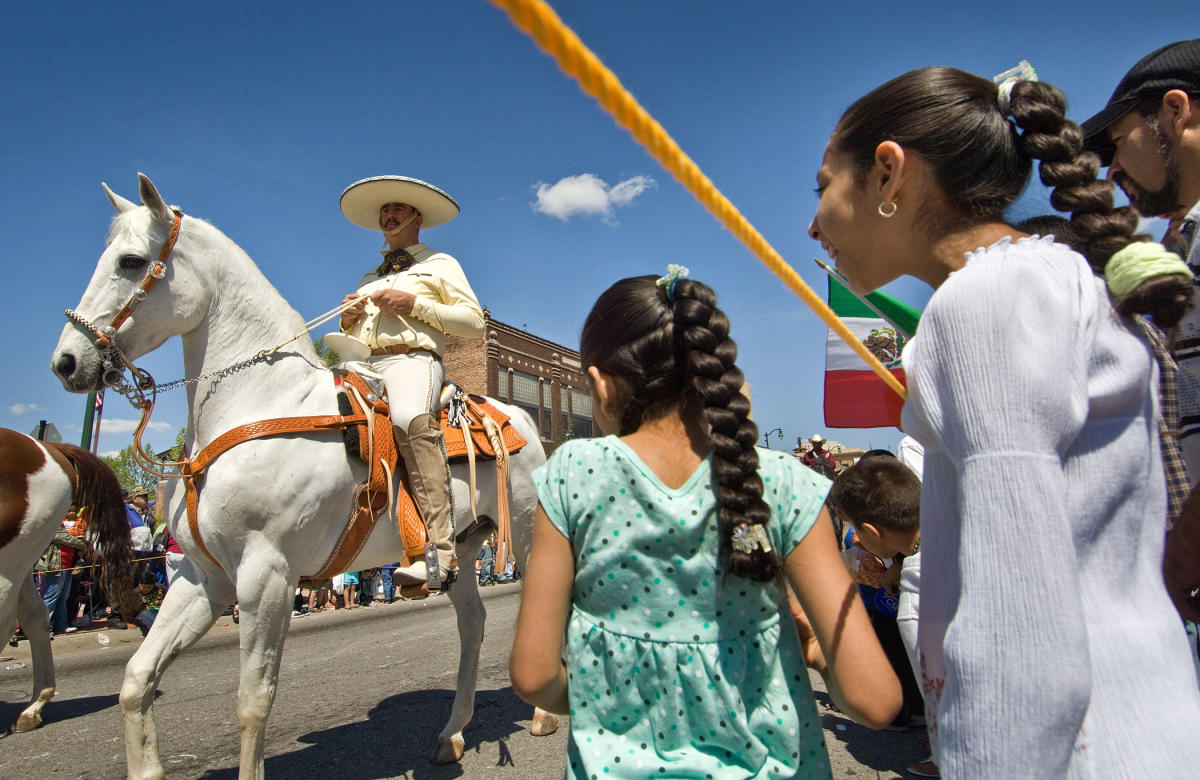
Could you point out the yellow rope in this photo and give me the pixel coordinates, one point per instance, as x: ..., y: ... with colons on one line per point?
x: 538, y: 20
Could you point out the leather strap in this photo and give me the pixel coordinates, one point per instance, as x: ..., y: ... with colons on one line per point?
x: 503, y: 518
x: 194, y: 468
x: 156, y: 272
x: 370, y: 497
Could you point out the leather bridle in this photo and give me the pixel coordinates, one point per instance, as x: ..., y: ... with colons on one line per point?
x: 114, y: 361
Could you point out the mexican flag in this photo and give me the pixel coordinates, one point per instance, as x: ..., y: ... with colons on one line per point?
x: 854, y: 396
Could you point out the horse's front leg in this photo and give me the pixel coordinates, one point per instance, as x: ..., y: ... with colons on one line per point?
x: 544, y: 723
x: 468, y: 606
x: 188, y: 611
x: 35, y: 622
x: 265, y: 593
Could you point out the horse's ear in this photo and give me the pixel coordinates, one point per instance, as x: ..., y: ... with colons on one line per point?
x: 119, y: 203
x: 152, y: 200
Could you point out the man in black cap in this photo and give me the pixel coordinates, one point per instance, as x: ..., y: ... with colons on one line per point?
x: 1149, y: 137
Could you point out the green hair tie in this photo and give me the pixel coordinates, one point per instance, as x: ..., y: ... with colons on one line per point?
x: 1136, y: 263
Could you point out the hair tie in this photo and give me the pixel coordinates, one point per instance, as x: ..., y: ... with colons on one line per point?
x: 674, y: 274
x: 1022, y: 72
x: 747, y: 536
x: 1140, y: 261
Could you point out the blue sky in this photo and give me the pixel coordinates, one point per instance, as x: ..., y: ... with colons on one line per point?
x: 256, y: 116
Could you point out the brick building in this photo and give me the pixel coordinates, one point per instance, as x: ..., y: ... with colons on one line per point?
x: 543, y: 378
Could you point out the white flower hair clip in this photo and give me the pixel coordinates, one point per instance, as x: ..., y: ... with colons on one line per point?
x: 1005, y: 81
x: 674, y: 274
x: 747, y: 536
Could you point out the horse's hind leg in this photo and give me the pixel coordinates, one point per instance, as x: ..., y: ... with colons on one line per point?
x: 464, y: 595
x: 35, y: 622
x: 187, y: 612
x: 265, y: 591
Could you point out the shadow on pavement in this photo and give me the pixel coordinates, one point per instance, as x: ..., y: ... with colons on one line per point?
x: 56, y: 710
x: 882, y: 751
x: 398, y: 738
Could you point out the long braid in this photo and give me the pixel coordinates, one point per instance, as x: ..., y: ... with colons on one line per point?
x: 702, y: 333
x: 671, y: 354
x: 1040, y: 111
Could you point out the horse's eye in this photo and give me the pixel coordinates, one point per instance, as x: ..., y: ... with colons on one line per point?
x: 132, y: 262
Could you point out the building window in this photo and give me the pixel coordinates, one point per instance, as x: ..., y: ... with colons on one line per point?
x: 546, y: 410
x: 525, y: 395
x: 502, y: 392
x: 580, y: 426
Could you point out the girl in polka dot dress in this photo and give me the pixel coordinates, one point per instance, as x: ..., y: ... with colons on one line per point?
x: 661, y: 551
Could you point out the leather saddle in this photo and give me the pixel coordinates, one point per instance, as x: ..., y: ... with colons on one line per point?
x: 473, y: 430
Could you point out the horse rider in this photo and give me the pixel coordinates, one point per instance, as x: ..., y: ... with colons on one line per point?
x: 415, y: 297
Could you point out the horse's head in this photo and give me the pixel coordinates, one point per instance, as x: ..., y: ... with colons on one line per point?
x: 175, y: 305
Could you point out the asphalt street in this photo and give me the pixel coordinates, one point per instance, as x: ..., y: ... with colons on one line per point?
x: 362, y: 695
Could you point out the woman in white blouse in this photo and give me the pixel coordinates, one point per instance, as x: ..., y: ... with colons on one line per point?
x: 1049, y: 647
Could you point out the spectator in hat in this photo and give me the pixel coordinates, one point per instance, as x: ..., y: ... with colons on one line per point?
x: 818, y: 453
x: 136, y: 509
x: 1148, y: 134
x: 406, y: 307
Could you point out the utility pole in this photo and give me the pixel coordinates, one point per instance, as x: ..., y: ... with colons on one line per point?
x: 89, y: 411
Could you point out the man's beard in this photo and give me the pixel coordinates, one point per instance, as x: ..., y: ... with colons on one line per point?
x: 1164, y: 201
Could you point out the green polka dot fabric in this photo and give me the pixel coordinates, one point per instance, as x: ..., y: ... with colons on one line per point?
x: 676, y: 670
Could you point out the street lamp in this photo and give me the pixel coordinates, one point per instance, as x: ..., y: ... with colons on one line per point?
x: 767, y: 436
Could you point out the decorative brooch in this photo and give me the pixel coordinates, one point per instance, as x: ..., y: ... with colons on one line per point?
x: 674, y: 274
x: 747, y: 536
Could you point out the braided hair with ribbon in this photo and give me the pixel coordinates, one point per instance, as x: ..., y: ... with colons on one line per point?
x: 667, y: 341
x: 980, y: 142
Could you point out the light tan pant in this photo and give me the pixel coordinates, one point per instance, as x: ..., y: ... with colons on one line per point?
x: 414, y: 383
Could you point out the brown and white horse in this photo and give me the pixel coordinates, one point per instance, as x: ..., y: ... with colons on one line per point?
x: 38, y: 483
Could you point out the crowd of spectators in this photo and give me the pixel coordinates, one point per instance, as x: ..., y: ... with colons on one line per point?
x: 368, y: 587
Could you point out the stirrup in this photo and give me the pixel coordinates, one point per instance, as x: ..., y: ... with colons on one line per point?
x: 421, y: 589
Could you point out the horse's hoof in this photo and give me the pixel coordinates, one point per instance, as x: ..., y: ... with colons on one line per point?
x: 544, y: 723
x: 27, y: 723
x: 448, y: 751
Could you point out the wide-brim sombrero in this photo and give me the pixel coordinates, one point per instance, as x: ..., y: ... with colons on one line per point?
x: 360, y: 202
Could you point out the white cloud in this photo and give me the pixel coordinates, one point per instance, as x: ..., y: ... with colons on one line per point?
x: 588, y: 195
x: 623, y: 193
x: 20, y: 409
x: 117, y: 425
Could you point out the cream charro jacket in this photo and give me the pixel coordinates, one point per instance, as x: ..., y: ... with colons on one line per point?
x: 445, y: 304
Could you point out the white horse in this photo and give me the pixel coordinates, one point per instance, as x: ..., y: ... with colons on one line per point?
x: 38, y: 483
x: 270, y: 510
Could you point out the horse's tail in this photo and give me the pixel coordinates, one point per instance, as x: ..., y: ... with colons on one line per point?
x: 97, y: 487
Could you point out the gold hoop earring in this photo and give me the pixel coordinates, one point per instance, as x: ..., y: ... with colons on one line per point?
x: 888, y: 213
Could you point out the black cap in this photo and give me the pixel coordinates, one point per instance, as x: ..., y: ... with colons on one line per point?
x: 1174, y: 66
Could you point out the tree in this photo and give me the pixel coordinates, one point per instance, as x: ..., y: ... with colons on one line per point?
x: 128, y: 472
x: 327, y: 355
x: 131, y: 475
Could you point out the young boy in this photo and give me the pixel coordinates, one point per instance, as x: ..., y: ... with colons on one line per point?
x: 149, y: 593
x: 881, y: 498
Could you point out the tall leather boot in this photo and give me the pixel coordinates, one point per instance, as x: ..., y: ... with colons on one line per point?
x: 424, y: 453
